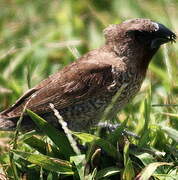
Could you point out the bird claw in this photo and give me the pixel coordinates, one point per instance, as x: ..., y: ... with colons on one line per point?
x: 108, y: 126
x: 112, y: 127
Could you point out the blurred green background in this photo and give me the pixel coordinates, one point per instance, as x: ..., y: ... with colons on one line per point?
x: 38, y: 37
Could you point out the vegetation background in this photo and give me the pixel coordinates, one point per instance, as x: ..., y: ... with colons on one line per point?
x: 39, y: 37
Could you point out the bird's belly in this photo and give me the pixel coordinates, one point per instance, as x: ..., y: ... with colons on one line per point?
x: 84, y: 115
x: 126, y: 95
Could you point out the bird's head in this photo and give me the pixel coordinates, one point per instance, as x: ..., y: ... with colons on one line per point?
x: 138, y: 36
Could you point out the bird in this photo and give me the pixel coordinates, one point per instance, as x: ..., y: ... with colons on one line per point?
x: 83, y: 90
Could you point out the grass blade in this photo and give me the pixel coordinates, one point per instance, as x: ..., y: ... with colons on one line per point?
x: 59, y: 138
x: 105, y: 145
x: 107, y: 172
x: 46, y: 162
x: 148, y: 171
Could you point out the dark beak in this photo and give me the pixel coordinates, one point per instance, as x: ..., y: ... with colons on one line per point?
x: 162, y: 36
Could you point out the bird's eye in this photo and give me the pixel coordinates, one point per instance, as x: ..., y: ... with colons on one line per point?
x: 140, y: 36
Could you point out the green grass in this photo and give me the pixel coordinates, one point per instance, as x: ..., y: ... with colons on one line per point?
x: 39, y: 37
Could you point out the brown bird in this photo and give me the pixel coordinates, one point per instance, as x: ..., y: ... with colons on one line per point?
x: 83, y: 90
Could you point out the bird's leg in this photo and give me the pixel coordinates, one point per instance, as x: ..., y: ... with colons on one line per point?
x: 105, y: 126
x: 108, y: 126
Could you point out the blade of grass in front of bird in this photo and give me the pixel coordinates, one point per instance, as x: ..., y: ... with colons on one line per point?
x: 59, y: 138
x: 114, y: 137
x: 68, y: 133
x: 41, y: 146
x: 15, y: 141
x: 37, y: 144
x: 104, y: 144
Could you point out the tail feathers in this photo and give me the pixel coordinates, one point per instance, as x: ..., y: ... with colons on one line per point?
x: 7, y: 124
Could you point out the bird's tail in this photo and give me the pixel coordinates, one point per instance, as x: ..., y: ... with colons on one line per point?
x: 7, y: 124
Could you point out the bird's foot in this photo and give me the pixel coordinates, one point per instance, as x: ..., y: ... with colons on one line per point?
x: 105, y: 126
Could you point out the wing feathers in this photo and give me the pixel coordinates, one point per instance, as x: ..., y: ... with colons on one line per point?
x: 75, y: 83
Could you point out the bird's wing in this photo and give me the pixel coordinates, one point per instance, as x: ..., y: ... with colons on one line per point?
x: 73, y: 84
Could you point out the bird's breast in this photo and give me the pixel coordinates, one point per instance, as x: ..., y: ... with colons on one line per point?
x: 85, y: 114
x: 125, y: 86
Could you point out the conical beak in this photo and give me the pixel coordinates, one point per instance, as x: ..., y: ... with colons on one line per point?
x: 162, y: 36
